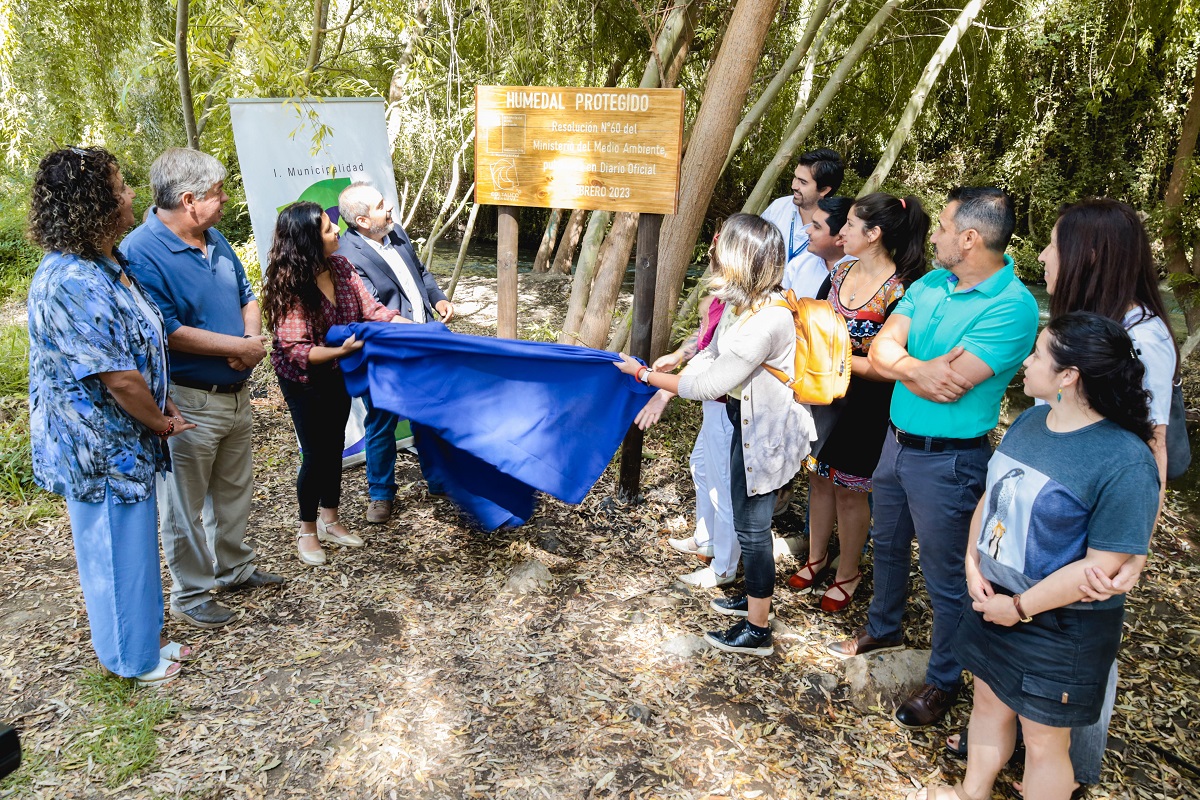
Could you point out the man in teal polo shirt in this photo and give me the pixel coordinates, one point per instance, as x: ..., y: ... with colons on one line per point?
x: 952, y: 345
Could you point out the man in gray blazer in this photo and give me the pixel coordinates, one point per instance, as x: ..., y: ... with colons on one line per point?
x: 385, y: 259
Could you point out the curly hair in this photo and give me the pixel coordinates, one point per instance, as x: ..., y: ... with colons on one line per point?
x: 73, y: 206
x: 297, y: 255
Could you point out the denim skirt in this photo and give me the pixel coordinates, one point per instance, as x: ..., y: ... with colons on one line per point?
x: 1052, y: 670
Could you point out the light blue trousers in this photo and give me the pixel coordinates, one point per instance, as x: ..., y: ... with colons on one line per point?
x: 116, y: 550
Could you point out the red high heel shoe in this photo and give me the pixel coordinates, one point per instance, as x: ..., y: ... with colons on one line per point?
x: 799, y: 582
x: 834, y: 606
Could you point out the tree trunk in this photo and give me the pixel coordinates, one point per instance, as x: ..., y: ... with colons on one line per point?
x: 1174, y: 244
x: 720, y: 109
x: 613, y: 263
x: 320, y: 22
x: 185, y: 76
x: 920, y: 94
x: 569, y: 242
x: 462, y: 250
x: 585, y: 270
x: 761, y: 196
x: 541, y: 263
x: 399, y: 83
x: 764, y: 101
x: 587, y: 312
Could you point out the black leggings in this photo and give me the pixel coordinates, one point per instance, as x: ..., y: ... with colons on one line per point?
x: 319, y: 409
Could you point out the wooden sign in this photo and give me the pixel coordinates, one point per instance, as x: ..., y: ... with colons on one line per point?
x: 565, y: 147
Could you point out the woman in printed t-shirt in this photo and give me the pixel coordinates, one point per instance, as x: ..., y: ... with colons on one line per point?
x: 1099, y: 260
x: 1051, y: 513
x: 308, y: 290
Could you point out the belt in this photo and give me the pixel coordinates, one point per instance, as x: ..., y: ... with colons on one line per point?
x: 216, y: 388
x: 937, y: 444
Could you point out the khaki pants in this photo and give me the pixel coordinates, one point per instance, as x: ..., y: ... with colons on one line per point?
x: 204, y: 502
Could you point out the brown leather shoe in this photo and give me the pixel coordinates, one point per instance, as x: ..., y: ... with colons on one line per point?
x: 924, y: 707
x: 378, y: 511
x: 862, y: 643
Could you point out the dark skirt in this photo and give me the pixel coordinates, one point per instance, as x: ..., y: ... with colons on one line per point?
x: 850, y: 432
x: 1052, y: 670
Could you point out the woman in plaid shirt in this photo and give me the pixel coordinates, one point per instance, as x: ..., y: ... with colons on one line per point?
x: 308, y: 290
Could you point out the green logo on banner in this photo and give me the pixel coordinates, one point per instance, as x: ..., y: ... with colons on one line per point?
x: 325, y: 194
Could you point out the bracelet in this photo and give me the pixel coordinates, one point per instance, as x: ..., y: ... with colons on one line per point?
x: 1020, y: 611
x: 167, y: 431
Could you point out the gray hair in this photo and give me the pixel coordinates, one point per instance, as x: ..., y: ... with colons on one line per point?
x: 352, y: 202
x: 180, y: 170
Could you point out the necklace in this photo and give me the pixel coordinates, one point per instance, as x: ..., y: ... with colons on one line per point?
x: 869, y: 280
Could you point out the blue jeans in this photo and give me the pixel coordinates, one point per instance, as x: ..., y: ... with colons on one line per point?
x: 931, y: 496
x: 751, y: 516
x: 380, y: 428
x: 116, y: 551
x: 1088, y: 744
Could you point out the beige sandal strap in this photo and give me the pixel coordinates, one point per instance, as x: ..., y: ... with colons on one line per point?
x: 302, y: 535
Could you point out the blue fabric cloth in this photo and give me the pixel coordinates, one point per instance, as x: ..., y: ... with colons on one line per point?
x: 499, y: 419
x: 192, y: 289
x: 84, y: 321
x: 116, y: 551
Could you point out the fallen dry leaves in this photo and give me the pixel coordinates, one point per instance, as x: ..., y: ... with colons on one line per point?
x: 402, y: 670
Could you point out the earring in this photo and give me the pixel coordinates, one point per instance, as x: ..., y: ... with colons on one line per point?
x: 1060, y: 395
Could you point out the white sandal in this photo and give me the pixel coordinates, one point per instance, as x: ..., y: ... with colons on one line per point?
x: 165, y: 672
x: 326, y: 535
x: 314, y: 558
x: 173, y: 651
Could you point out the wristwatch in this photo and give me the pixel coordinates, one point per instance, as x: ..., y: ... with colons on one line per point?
x: 1020, y: 611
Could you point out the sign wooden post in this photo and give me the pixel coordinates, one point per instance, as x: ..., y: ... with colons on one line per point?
x: 506, y: 272
x: 575, y: 147
x: 645, y: 277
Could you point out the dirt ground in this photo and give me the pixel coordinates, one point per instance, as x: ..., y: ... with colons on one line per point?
x: 405, y: 670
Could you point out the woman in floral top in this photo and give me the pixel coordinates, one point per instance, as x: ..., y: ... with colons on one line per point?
x: 308, y: 290
x: 99, y: 415
x: 887, y: 236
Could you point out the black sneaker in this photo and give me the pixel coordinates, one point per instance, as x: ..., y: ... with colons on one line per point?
x: 742, y: 639
x: 734, y: 606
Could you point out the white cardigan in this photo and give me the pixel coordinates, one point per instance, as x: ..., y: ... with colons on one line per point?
x: 777, y: 432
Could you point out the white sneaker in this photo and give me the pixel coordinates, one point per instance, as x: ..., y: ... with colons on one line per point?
x: 689, y: 547
x: 707, y: 578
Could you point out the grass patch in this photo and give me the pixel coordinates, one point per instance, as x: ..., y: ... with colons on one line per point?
x: 119, y: 736
x: 33, y: 764
x: 14, y: 360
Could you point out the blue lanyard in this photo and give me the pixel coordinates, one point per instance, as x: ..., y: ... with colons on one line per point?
x: 791, y: 238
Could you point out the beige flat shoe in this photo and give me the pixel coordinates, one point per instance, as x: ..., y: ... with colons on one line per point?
x: 314, y: 558
x: 326, y: 535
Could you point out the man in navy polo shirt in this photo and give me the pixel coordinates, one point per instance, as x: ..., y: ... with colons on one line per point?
x: 214, y: 333
x: 952, y: 344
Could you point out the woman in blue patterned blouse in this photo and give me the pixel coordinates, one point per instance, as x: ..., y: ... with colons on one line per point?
x: 98, y: 407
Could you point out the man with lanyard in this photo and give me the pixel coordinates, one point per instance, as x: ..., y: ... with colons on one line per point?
x: 213, y: 327
x: 818, y: 174
x: 385, y: 259
x: 953, y: 343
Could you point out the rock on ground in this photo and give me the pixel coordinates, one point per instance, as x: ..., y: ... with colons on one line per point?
x: 529, y: 577
x: 685, y: 645
x: 885, y: 679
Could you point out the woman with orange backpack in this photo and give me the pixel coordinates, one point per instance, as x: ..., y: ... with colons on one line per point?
x: 771, y: 431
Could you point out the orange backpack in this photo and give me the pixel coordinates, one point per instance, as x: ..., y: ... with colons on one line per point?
x: 822, y: 351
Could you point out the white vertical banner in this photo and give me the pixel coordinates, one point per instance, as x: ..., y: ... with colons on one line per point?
x: 312, y: 149
x: 308, y: 149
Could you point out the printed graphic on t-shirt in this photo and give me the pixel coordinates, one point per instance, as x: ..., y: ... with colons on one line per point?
x: 1031, y: 523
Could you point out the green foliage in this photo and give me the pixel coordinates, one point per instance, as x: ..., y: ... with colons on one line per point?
x: 118, y: 737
